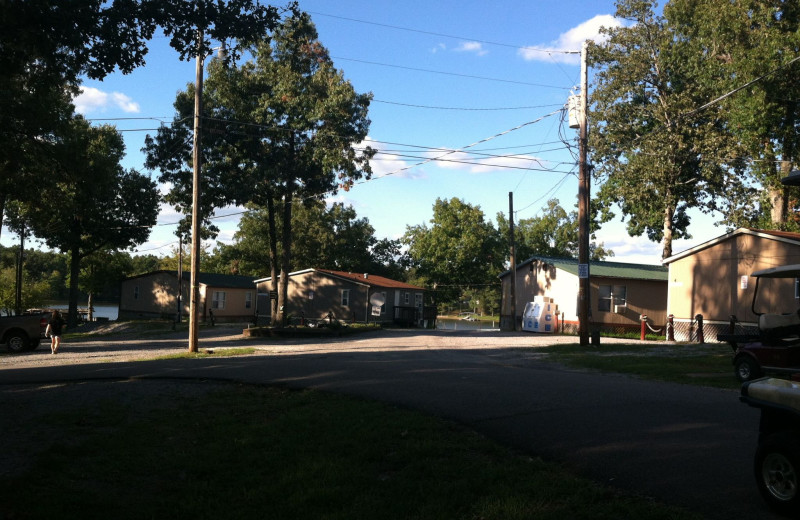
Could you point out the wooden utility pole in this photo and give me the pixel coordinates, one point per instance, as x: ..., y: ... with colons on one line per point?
x: 18, y: 292
x: 584, y: 290
x: 180, y: 278
x: 513, y: 243
x: 194, y: 297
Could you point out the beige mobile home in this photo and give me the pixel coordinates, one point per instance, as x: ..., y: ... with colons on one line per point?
x: 317, y: 293
x: 155, y: 295
x: 620, y: 293
x: 713, y: 280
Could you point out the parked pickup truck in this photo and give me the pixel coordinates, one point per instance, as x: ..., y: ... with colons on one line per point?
x: 23, y: 332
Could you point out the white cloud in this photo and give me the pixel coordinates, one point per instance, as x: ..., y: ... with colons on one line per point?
x: 95, y: 100
x: 475, y: 47
x: 439, y: 47
x: 572, y: 40
x: 479, y: 164
x: 392, y: 164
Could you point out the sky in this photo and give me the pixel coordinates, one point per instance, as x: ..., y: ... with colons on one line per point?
x: 480, y: 84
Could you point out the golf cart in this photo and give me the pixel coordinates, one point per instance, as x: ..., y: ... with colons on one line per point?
x: 777, y: 460
x: 775, y: 347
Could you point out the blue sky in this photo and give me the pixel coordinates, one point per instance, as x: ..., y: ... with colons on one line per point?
x: 444, y: 75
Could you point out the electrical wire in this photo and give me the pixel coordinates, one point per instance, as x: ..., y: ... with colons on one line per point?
x: 466, y: 109
x: 397, y: 27
x: 500, y: 134
x: 431, y: 71
x: 474, y: 163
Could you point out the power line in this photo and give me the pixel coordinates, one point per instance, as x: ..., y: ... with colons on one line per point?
x: 399, y: 28
x: 523, y: 125
x: 431, y: 71
x: 464, y: 108
x: 475, y: 163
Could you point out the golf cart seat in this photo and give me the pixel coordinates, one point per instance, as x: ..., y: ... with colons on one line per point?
x: 779, y: 325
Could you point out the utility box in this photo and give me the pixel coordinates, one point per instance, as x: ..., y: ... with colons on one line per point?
x: 540, y: 315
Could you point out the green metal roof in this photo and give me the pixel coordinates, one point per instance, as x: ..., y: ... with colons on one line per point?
x: 604, y: 269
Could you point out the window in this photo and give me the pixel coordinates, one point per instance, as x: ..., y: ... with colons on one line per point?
x: 418, y: 301
x: 345, y: 297
x: 218, y: 302
x: 383, y: 307
x: 611, y: 295
x: 135, y: 292
x: 405, y: 298
x: 248, y: 300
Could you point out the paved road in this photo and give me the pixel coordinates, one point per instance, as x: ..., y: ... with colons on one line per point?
x: 687, y: 446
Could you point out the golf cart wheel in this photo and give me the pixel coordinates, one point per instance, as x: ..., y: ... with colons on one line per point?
x: 777, y: 464
x: 17, y: 341
x: 747, y: 369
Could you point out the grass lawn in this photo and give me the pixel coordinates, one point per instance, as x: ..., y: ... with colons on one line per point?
x: 238, y: 451
x: 707, y: 365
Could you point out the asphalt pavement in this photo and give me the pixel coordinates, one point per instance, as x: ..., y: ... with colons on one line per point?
x: 683, y: 445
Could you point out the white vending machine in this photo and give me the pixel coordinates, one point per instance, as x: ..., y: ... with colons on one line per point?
x: 540, y: 315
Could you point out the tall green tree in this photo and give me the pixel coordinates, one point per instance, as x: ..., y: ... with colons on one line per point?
x: 324, y: 237
x: 744, y: 41
x: 94, y: 204
x: 101, y: 272
x: 48, y: 46
x: 553, y: 234
x: 460, y: 249
x: 655, y: 156
x: 283, y: 128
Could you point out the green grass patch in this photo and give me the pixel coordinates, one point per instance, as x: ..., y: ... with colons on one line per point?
x: 705, y: 365
x: 206, y: 353
x: 251, y: 452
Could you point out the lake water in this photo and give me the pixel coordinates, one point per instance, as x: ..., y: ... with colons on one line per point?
x: 449, y: 324
x: 101, y: 310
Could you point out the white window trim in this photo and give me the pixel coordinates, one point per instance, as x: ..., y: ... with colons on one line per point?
x: 218, y: 303
x: 345, y: 297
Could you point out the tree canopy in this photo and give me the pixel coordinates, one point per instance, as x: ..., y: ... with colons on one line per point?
x: 283, y: 128
x: 92, y: 202
x: 49, y: 45
x: 459, y: 250
x: 751, y: 42
x: 553, y: 234
x: 655, y: 155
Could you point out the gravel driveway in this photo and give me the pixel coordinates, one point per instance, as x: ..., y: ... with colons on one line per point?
x: 101, y: 347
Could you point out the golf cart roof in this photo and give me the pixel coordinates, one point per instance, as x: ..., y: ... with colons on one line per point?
x: 783, y: 271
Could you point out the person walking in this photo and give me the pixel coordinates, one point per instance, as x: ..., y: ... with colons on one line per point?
x: 56, y: 325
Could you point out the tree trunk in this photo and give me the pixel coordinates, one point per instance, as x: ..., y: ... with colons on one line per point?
x: 286, y: 256
x: 90, y: 316
x: 669, y: 212
x: 779, y: 201
x: 74, y: 274
x: 779, y: 197
x: 273, y: 260
x: 3, y: 197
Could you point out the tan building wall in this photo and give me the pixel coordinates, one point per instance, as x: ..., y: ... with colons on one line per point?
x: 533, y: 280
x: 716, y: 282
x: 648, y: 297
x: 155, y: 296
x: 313, y: 295
x: 643, y: 297
x: 236, y: 303
x: 152, y: 296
